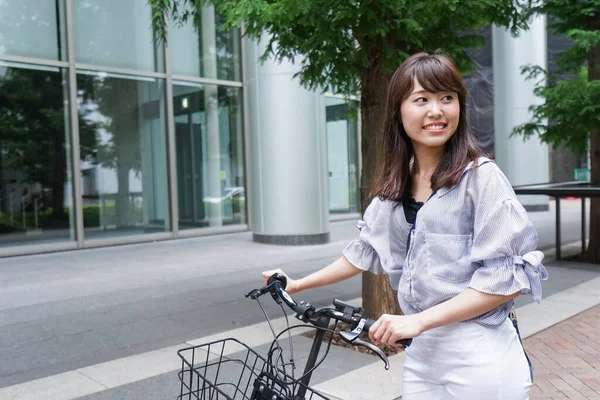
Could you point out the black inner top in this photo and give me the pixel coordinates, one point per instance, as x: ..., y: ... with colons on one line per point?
x: 411, y: 207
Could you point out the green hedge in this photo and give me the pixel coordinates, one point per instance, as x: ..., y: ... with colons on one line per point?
x: 91, y: 217
x: 46, y: 220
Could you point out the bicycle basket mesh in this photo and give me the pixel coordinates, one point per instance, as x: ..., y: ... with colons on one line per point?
x: 229, y: 370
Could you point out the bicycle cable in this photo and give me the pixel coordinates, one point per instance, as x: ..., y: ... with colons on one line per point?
x: 296, y: 381
x: 272, y: 349
x: 275, y: 336
x: 287, y: 323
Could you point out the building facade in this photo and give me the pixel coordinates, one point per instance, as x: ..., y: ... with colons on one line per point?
x: 108, y: 136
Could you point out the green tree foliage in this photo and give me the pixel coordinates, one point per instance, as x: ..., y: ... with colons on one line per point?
x: 33, y: 132
x: 337, y: 40
x: 570, y: 113
x: 571, y: 105
x: 354, y: 46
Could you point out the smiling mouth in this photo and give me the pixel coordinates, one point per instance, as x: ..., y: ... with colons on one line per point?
x: 435, y: 127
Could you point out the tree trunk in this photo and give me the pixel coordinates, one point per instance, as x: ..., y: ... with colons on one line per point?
x: 3, y: 194
x: 122, y: 203
x: 378, y: 296
x: 59, y: 177
x: 126, y: 137
x: 593, y: 253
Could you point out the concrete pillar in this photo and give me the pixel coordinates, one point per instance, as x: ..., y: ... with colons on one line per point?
x: 523, y: 162
x: 288, y: 154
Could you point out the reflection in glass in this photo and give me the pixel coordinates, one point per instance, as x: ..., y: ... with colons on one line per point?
x: 209, y: 147
x: 32, y: 28
x: 36, y: 203
x: 214, y: 53
x: 124, y: 178
x: 342, y: 157
x: 115, y: 33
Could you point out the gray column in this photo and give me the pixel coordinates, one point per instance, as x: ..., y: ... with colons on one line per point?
x: 523, y: 162
x: 289, y: 203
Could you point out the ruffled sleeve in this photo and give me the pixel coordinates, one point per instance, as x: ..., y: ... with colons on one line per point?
x: 504, y: 239
x: 504, y: 244
x: 373, y: 231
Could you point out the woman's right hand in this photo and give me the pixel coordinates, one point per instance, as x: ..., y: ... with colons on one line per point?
x: 292, y: 284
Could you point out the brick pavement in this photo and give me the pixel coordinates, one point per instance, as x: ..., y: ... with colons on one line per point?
x: 566, y: 358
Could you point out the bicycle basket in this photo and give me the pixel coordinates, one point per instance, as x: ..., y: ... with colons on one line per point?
x: 229, y: 370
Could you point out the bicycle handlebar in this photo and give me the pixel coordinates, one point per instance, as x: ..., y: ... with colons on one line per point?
x: 307, y: 313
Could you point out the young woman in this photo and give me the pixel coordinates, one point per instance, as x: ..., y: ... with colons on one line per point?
x: 448, y: 230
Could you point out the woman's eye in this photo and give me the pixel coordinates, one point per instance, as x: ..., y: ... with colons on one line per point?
x: 421, y: 100
x: 448, y: 98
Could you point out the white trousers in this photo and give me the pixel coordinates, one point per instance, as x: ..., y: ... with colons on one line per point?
x: 466, y: 361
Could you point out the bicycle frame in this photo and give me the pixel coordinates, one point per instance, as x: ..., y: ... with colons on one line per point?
x: 322, y: 323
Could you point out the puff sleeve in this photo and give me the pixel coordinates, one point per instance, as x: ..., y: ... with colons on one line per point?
x: 504, y: 245
x: 373, y: 231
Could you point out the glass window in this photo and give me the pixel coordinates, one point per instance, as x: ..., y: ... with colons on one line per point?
x: 32, y: 28
x: 116, y: 33
x: 123, y: 157
x: 342, y: 157
x: 36, y: 203
x: 214, y: 53
x: 210, y: 162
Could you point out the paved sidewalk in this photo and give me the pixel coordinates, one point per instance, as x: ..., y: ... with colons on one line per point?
x: 571, y: 303
x: 566, y: 358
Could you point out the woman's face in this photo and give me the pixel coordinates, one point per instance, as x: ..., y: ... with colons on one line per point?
x: 430, y: 119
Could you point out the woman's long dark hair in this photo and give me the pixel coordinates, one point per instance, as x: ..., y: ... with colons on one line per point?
x: 436, y: 73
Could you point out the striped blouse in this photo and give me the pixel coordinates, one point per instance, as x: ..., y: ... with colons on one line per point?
x: 475, y: 234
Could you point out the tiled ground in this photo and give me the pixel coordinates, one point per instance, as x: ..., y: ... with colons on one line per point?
x: 566, y: 358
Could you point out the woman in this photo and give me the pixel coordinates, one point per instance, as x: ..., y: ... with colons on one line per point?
x: 446, y: 227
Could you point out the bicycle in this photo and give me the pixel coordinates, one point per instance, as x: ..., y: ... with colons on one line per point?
x: 228, y: 369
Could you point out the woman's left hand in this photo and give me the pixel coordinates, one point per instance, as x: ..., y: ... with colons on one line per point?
x: 390, y: 328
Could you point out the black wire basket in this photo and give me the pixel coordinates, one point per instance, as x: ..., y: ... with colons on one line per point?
x: 230, y: 370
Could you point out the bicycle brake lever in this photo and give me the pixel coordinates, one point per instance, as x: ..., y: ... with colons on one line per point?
x: 374, y: 349
x: 352, y: 338
x: 254, y: 294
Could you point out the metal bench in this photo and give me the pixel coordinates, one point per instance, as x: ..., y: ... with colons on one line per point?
x: 560, y: 190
